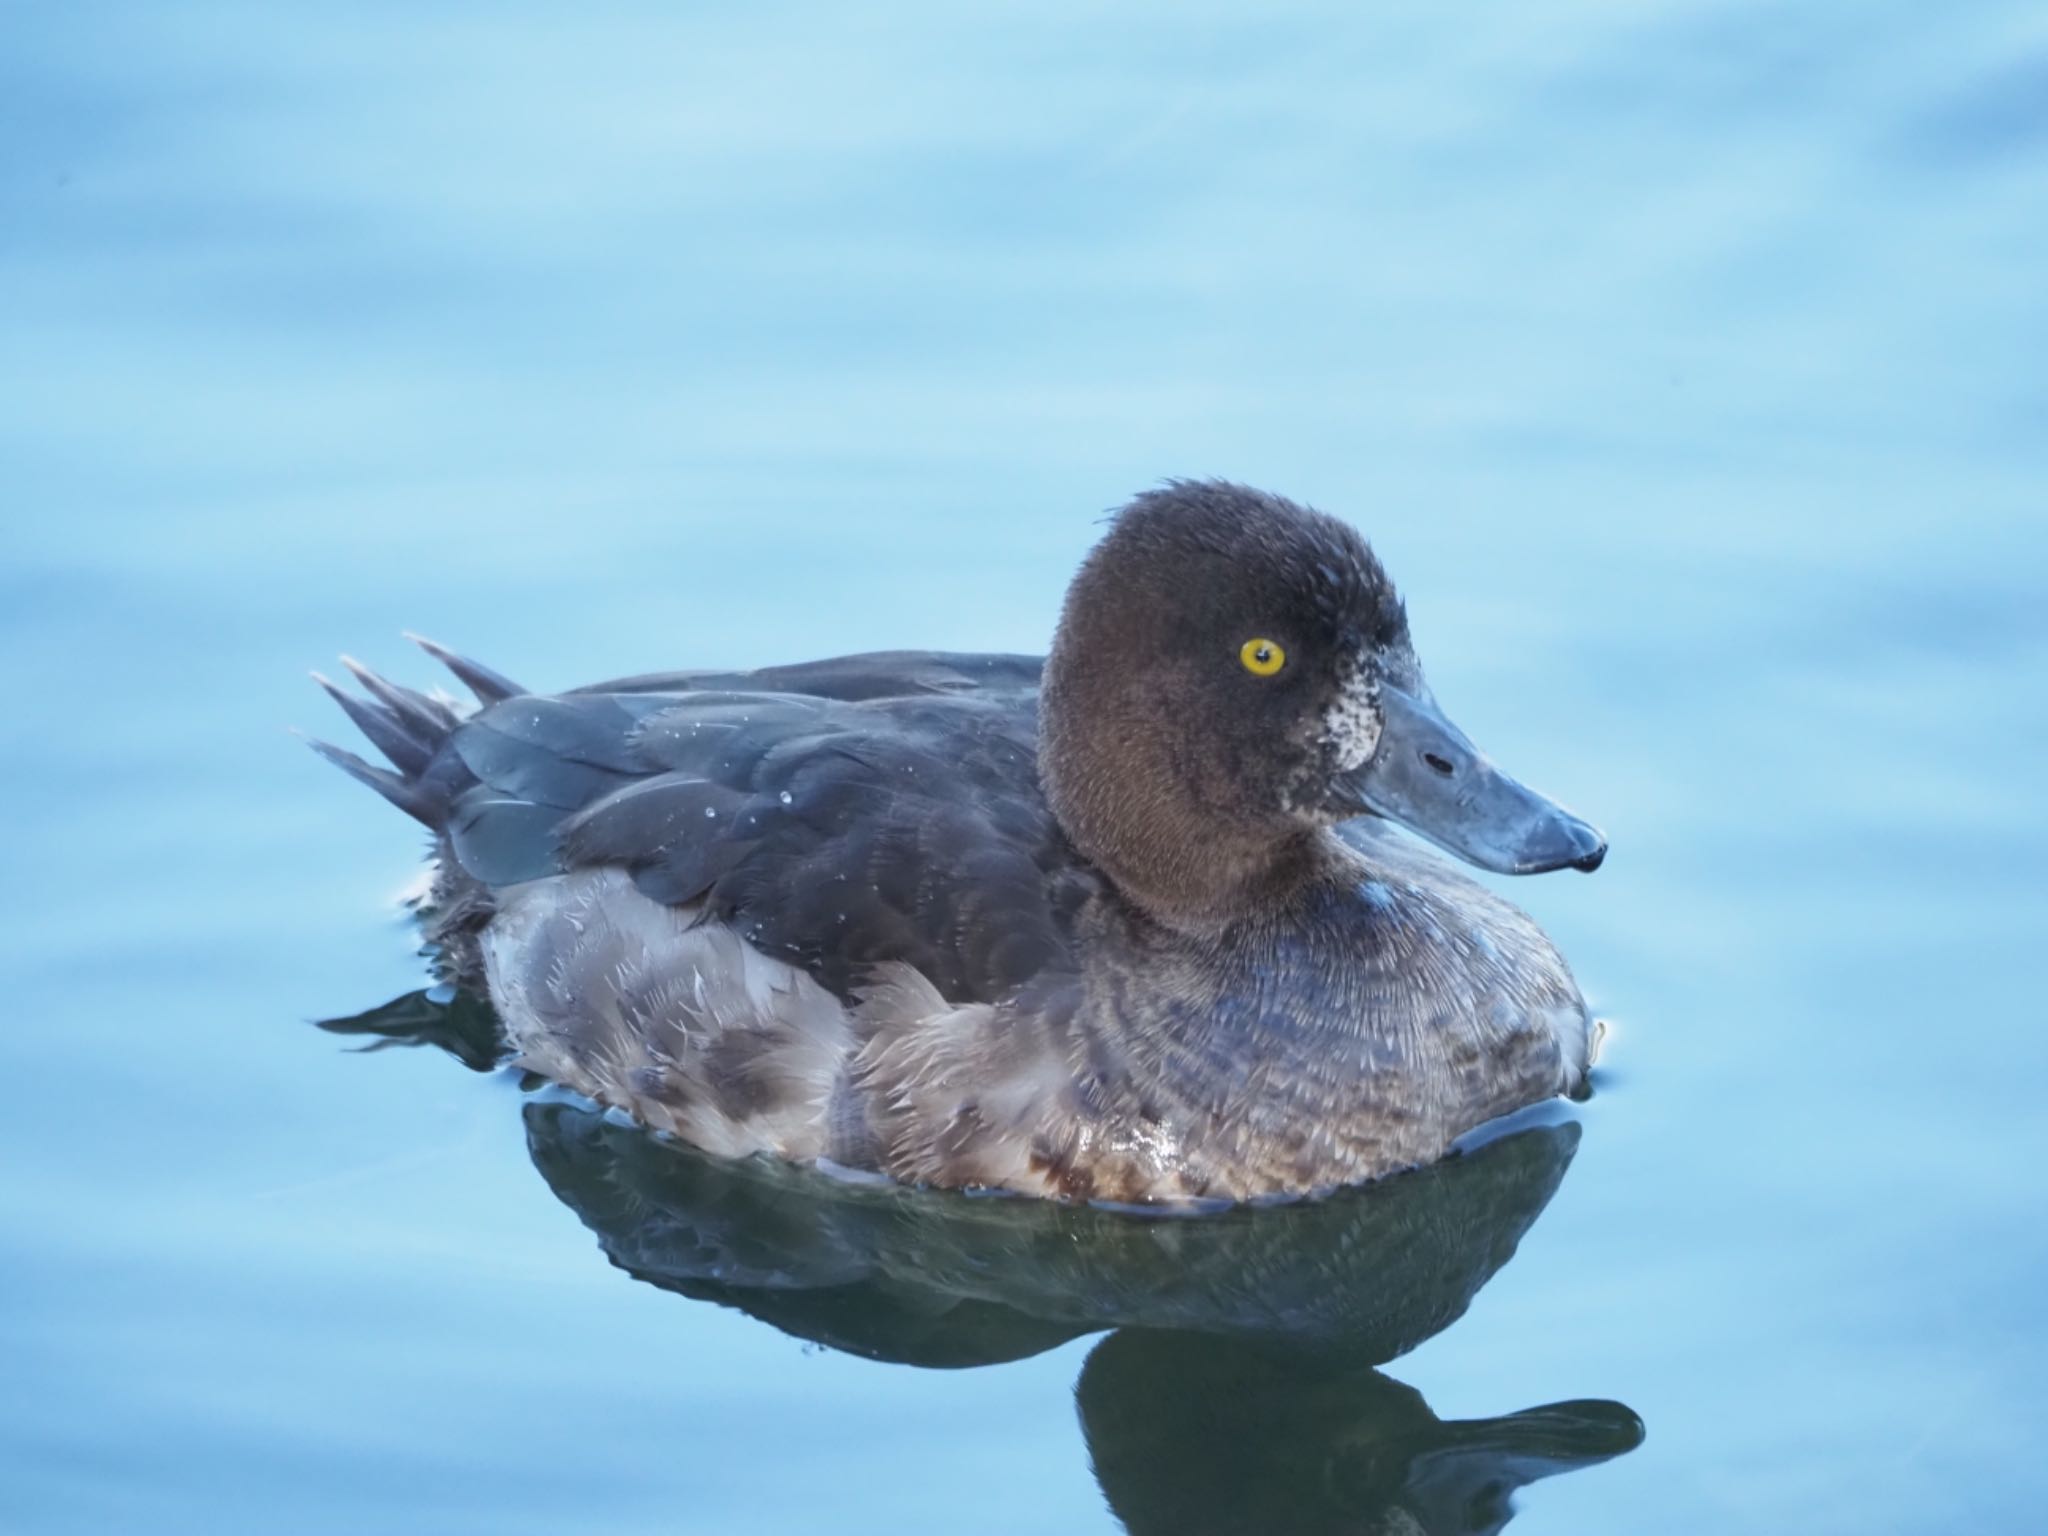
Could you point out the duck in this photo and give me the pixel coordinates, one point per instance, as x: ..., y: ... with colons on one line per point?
x: 1137, y: 923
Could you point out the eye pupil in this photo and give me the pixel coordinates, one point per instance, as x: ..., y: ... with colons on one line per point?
x: 1262, y: 658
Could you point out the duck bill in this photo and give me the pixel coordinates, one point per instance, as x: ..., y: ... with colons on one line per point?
x: 1427, y: 775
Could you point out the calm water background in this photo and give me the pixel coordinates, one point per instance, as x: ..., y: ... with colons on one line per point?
x: 1685, y: 368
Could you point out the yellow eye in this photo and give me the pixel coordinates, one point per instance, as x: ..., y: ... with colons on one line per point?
x: 1262, y: 658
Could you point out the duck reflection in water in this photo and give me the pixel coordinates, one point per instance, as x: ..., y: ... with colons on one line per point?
x: 1236, y: 1391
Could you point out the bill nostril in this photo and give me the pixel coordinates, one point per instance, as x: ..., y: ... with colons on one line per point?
x: 1442, y: 765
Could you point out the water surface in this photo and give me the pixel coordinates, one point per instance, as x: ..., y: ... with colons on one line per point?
x: 1684, y: 368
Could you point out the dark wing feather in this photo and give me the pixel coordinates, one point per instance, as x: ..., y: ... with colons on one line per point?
x: 676, y: 832
x: 851, y: 679
x: 561, y: 752
x: 888, y: 811
x: 500, y: 839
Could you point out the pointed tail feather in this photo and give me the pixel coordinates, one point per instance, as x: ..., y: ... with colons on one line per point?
x: 422, y: 716
x: 488, y: 686
x: 408, y: 750
x: 400, y: 791
x: 410, y: 728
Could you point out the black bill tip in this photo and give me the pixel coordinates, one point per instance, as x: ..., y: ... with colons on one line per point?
x: 1555, y: 839
x: 1595, y: 854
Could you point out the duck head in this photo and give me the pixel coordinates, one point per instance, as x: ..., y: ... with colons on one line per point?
x: 1232, y: 674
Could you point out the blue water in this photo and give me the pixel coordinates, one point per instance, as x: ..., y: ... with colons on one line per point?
x: 1683, y: 364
